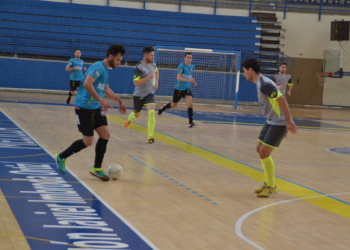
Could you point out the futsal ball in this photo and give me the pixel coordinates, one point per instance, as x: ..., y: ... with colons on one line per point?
x: 115, y: 171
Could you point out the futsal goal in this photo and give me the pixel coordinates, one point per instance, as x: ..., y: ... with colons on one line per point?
x: 216, y: 72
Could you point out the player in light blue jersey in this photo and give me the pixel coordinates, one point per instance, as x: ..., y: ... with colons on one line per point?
x: 90, y: 111
x: 183, y: 88
x: 76, y: 67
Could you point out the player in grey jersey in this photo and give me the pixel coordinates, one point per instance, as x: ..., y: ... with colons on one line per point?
x: 146, y: 78
x: 279, y: 121
x: 283, y: 80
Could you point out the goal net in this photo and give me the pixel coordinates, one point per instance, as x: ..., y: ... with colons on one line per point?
x: 216, y: 72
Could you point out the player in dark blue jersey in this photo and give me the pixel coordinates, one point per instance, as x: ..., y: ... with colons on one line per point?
x: 90, y: 111
x: 183, y: 88
x: 76, y: 67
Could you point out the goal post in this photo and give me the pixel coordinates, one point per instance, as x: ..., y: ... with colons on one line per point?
x: 216, y: 72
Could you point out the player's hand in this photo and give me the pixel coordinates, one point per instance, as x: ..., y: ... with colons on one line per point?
x: 105, y: 105
x: 291, y: 127
x: 76, y: 67
x: 84, y: 68
x: 122, y: 107
x: 192, y: 80
x: 282, y: 86
x: 150, y: 76
x: 289, y: 93
x: 194, y: 83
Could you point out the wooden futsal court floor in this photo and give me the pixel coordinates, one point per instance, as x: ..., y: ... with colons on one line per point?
x: 194, y: 188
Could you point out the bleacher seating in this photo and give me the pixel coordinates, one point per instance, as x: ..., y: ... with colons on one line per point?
x: 51, y: 28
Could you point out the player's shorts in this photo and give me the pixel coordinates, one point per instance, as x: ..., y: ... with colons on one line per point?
x: 74, y: 85
x: 272, y: 135
x: 140, y: 102
x: 90, y: 119
x: 178, y: 94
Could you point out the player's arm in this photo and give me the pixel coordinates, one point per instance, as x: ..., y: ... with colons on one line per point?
x: 272, y: 92
x: 180, y: 78
x: 70, y: 68
x: 156, y: 85
x: 290, y: 86
x: 286, y: 111
x: 88, y: 85
x: 137, y: 77
x: 110, y: 94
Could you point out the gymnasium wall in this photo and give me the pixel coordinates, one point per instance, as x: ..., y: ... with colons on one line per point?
x: 306, y: 39
x: 306, y: 46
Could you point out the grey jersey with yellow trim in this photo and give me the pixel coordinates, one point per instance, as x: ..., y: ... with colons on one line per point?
x: 141, y: 71
x: 267, y: 95
x: 282, y: 80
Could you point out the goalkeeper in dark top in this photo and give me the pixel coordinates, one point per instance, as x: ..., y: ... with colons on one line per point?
x: 279, y: 121
x: 183, y: 88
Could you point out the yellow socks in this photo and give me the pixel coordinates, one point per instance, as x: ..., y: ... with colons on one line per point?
x: 269, y: 170
x: 132, y: 117
x: 151, y: 123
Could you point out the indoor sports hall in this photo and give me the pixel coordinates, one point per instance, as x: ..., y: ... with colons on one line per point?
x: 194, y: 187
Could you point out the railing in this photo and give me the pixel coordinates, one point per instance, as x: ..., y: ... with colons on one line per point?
x: 319, y: 7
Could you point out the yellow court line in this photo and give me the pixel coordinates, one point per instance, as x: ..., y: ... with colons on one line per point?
x: 240, y: 123
x: 325, y: 202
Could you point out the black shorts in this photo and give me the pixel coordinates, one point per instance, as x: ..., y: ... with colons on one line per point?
x: 140, y: 102
x: 74, y: 85
x: 272, y: 135
x: 90, y: 119
x: 178, y: 94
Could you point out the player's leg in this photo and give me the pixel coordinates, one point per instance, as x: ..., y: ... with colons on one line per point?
x: 86, y: 127
x: 150, y: 104
x: 176, y: 98
x: 188, y: 99
x: 101, y: 128
x: 138, y: 104
x: 272, y: 139
x: 258, y: 147
x: 72, y: 89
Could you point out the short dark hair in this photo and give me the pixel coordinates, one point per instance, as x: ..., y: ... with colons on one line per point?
x: 188, y: 53
x: 147, y: 50
x: 76, y: 50
x: 115, y: 49
x: 282, y: 63
x: 252, y: 63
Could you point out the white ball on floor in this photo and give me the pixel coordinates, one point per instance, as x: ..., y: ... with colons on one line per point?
x: 115, y: 171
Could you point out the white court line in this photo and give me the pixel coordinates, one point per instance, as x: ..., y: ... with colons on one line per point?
x: 57, y: 242
x: 29, y: 106
x: 93, y: 192
x: 239, y: 223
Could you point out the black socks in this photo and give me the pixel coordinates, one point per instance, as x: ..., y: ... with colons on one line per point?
x: 74, y: 148
x: 100, y: 151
